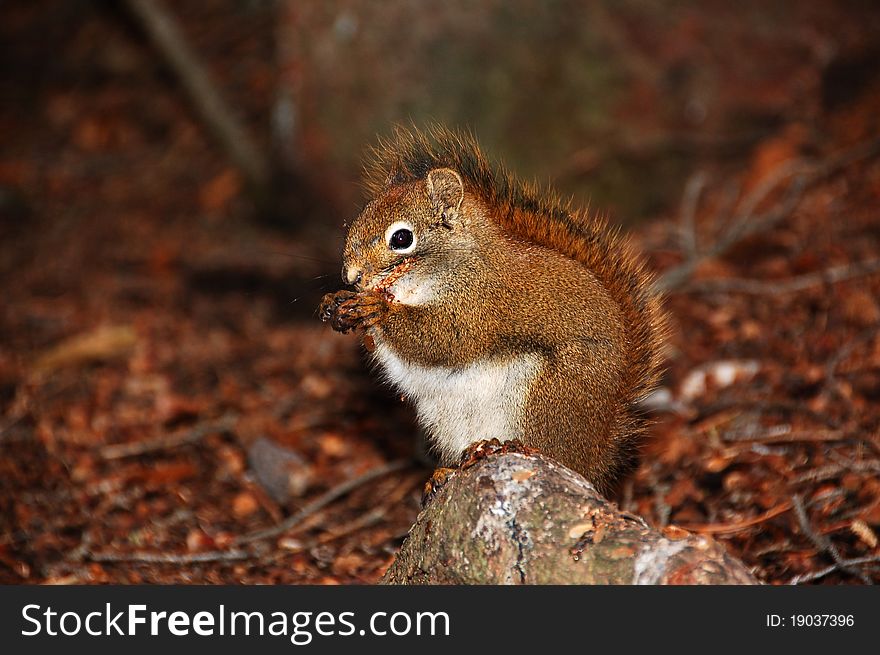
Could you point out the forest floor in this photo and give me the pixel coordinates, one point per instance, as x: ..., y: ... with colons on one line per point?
x: 171, y: 409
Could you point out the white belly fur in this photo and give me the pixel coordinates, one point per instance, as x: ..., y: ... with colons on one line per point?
x: 458, y: 406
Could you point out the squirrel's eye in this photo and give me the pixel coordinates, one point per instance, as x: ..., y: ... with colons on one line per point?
x: 401, y: 239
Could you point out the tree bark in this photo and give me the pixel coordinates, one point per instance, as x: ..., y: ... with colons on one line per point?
x: 523, y: 519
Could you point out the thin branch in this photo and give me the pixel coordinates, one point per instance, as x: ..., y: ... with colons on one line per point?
x: 763, y: 406
x: 235, y: 554
x: 821, y: 573
x: 690, y: 201
x: 740, y: 224
x: 747, y: 222
x: 186, y: 437
x: 788, y: 436
x: 818, y: 474
x: 371, y: 518
x: 151, y: 557
x: 741, y: 227
x: 170, y: 43
x: 322, y: 501
x: 842, y: 465
x: 823, y: 543
x: 844, y: 352
x: 790, y: 285
x: 731, y: 528
x: 861, y: 466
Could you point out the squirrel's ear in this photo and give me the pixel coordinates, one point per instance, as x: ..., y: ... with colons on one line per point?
x: 445, y: 189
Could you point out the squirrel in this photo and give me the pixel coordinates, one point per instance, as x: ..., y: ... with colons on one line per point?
x: 498, y: 309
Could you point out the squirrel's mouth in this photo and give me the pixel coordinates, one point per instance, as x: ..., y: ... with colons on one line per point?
x: 387, y: 279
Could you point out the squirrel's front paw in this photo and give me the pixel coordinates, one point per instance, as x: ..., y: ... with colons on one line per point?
x: 348, y: 310
x: 329, y: 307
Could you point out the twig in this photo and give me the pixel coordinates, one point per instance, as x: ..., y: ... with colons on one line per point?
x: 762, y: 406
x: 151, y: 557
x: 823, y: 543
x: 747, y: 222
x: 363, y: 521
x: 821, y: 573
x: 842, y: 465
x: 322, y: 501
x: 800, y: 436
x: 863, y: 466
x: 740, y: 224
x: 740, y: 228
x: 366, y: 520
x: 689, y: 204
x: 818, y: 474
x: 730, y: 528
x: 843, y: 353
x: 790, y: 285
x: 193, y: 435
x: 172, y: 46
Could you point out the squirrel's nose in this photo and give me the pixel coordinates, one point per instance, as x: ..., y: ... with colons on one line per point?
x: 351, y: 274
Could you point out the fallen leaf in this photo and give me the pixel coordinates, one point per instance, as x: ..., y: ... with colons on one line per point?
x: 101, y: 344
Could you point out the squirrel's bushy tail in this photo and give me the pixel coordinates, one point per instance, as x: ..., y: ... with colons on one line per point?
x: 602, y: 250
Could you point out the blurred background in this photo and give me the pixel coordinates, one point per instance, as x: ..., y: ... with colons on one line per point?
x: 174, y: 179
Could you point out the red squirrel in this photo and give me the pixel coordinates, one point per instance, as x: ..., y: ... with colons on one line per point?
x: 499, y: 310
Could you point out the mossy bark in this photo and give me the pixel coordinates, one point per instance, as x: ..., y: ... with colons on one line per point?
x: 522, y: 519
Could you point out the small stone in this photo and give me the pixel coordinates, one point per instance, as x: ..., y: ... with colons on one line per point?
x: 284, y: 473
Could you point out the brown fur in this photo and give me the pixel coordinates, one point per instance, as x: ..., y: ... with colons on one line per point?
x: 548, y: 279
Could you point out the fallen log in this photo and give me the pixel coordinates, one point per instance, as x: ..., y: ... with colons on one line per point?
x: 513, y: 518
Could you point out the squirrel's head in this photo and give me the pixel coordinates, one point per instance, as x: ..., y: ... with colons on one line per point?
x: 409, y: 235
